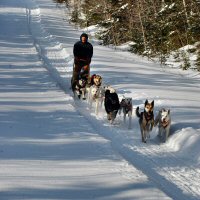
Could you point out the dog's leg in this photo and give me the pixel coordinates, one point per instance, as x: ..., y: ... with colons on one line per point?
x: 130, y: 119
x: 97, y: 106
x: 90, y: 100
x: 124, y: 114
x: 146, y: 135
x: 102, y: 101
x: 83, y: 95
x: 162, y: 132
x: 113, y: 116
x: 148, y: 129
x: 151, y: 125
x: 124, y: 117
x: 120, y: 110
x: 77, y: 94
x: 110, y: 117
x: 144, y: 138
x: 159, y: 132
x: 88, y: 96
x: 142, y: 133
x: 141, y: 128
x: 167, y: 133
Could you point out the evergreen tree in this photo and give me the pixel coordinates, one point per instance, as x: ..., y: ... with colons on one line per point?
x: 157, y: 27
x: 197, y: 64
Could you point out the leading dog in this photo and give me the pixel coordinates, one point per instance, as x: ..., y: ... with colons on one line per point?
x: 163, y: 120
x: 111, y: 103
x: 146, y: 119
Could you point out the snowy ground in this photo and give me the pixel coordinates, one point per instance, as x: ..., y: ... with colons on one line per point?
x: 53, y: 147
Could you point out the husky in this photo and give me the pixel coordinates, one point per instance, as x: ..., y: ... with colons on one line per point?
x: 96, y: 94
x: 126, y: 107
x: 111, y: 103
x: 146, y: 120
x: 95, y: 91
x: 163, y: 119
x: 80, y: 89
x: 95, y: 79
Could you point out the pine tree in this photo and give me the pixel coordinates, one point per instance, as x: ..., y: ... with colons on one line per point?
x: 157, y: 27
x: 186, y: 62
x: 197, y: 64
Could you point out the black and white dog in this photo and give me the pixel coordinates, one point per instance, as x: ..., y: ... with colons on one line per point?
x: 80, y: 89
x: 126, y: 107
x: 111, y: 103
x: 163, y: 120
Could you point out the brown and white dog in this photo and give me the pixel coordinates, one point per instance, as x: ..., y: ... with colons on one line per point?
x: 126, y: 107
x: 146, y: 120
x: 95, y: 79
x: 163, y: 119
x: 95, y: 92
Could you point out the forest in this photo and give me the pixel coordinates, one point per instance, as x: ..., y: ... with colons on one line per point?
x: 155, y: 28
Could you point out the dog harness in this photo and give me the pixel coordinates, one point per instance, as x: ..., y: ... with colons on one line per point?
x: 165, y: 123
x: 148, y: 117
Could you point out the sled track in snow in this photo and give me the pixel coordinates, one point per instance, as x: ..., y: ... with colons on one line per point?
x: 142, y: 161
x: 51, y: 54
x: 166, y: 166
x: 161, y: 169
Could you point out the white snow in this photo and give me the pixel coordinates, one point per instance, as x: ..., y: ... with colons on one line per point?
x: 55, y: 147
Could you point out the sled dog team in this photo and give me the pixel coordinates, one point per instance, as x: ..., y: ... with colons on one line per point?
x: 95, y: 93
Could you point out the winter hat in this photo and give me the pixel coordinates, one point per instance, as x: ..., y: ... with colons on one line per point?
x: 84, y: 35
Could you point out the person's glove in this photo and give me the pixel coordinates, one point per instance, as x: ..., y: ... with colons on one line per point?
x: 86, y: 67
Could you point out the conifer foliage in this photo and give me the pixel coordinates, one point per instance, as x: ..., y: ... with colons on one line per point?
x: 156, y: 27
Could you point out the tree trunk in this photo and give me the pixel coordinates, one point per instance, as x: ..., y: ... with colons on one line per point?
x: 142, y: 26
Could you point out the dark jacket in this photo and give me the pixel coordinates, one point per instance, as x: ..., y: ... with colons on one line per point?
x: 83, y: 50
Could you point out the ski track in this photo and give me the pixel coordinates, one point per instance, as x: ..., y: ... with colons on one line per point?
x: 161, y: 169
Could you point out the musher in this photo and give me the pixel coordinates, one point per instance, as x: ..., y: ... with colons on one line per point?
x: 83, y: 52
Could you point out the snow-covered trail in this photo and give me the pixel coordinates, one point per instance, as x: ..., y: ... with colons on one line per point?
x: 55, y: 165
x: 170, y: 169
x: 48, y: 150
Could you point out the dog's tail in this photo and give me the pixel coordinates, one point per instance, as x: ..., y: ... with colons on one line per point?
x: 137, y: 112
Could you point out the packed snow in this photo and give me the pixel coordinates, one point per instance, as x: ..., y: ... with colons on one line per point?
x: 55, y: 147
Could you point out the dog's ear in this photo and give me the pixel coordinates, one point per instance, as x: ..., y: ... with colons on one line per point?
x: 146, y: 102
x: 100, y: 79
x: 152, y: 103
x: 107, y: 92
x: 169, y: 111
